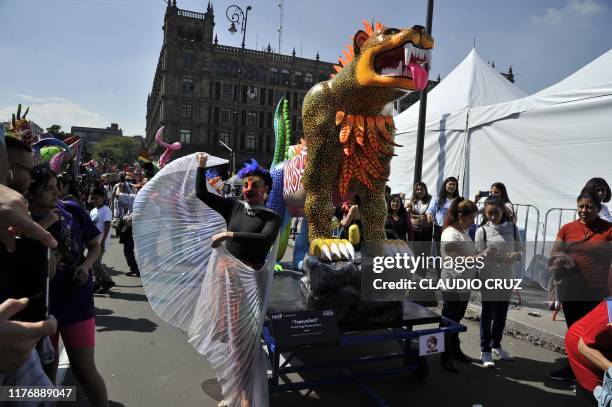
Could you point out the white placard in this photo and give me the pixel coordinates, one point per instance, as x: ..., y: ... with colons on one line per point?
x: 430, y: 344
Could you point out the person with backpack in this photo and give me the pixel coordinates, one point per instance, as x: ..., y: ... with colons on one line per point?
x: 497, y: 231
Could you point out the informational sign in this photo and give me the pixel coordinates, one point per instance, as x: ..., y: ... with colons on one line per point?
x: 430, y: 344
x: 301, y: 328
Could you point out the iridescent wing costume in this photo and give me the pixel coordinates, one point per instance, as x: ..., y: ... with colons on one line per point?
x: 218, y: 300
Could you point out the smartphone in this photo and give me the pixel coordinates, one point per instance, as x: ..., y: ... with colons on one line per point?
x: 484, y: 194
x: 29, y: 269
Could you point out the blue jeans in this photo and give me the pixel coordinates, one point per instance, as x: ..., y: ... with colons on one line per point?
x: 492, y: 323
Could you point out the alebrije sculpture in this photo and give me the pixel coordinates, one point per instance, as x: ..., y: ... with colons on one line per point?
x: 170, y: 148
x: 349, y: 129
x: 214, y: 180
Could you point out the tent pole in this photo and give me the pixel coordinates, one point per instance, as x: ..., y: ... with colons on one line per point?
x: 418, y: 163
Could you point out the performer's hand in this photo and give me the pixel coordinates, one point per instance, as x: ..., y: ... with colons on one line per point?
x: 220, y: 238
x: 202, y: 159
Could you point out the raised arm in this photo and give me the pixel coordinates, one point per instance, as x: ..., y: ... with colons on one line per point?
x: 222, y: 205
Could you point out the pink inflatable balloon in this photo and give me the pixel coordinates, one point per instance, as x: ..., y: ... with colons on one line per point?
x: 170, y: 148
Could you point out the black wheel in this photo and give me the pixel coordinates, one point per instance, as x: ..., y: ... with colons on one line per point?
x: 422, y: 370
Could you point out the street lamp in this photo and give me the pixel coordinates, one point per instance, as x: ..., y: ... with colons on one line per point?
x: 235, y: 15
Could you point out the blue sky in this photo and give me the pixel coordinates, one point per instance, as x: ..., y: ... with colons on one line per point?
x: 91, y: 62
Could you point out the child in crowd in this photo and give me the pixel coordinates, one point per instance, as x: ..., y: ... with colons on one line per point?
x: 102, y: 216
x: 499, y: 233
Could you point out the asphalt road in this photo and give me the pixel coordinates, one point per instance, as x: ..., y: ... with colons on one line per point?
x: 145, y: 362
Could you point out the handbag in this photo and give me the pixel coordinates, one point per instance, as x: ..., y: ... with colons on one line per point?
x: 564, y: 270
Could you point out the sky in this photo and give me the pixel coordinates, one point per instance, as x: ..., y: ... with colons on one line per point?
x: 92, y: 62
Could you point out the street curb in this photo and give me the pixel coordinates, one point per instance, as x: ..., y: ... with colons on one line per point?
x: 524, y: 331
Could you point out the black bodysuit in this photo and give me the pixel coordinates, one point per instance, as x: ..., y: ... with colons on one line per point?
x: 254, y: 232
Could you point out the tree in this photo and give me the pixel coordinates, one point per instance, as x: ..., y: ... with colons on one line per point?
x: 118, y: 149
x: 54, y: 130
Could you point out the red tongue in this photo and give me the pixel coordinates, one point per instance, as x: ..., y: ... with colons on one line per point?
x: 419, y: 75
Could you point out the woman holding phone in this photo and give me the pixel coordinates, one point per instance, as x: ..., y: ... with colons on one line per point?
x: 498, y: 189
x: 71, y: 287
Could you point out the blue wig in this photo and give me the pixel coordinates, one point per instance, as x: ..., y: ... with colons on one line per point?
x: 252, y: 168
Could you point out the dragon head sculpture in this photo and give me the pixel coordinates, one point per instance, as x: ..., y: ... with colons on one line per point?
x: 384, y: 64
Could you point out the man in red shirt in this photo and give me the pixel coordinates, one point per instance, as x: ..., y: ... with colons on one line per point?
x: 588, y: 344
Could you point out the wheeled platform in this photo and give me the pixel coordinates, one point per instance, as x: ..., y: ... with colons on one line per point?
x: 286, y: 297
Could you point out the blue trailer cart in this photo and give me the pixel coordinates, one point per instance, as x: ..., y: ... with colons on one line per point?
x: 286, y: 298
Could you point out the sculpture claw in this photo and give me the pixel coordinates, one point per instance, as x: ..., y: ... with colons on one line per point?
x: 332, y: 249
x: 335, y: 251
x: 325, y: 253
x: 344, y: 250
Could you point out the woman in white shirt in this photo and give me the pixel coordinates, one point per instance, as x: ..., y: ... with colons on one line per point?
x: 422, y: 227
x: 499, y: 232
x: 457, y: 251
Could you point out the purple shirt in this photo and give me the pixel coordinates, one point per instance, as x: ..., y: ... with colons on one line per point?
x: 71, y: 302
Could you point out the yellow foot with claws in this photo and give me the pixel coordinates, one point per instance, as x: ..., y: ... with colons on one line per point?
x: 332, y: 249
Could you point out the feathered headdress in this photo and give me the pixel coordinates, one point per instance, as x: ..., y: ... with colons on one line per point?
x: 20, y: 127
x: 253, y: 168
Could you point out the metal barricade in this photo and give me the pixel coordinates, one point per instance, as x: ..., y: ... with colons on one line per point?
x: 557, y: 222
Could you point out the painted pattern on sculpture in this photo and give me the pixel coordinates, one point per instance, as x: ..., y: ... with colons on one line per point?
x: 348, y: 128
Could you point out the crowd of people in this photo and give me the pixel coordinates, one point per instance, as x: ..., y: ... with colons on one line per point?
x: 75, y: 217
x: 70, y: 216
x: 580, y: 266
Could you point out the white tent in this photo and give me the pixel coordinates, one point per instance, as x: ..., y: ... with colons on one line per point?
x: 472, y: 83
x: 546, y: 146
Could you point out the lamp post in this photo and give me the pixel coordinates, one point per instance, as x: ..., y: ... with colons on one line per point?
x: 236, y: 16
x: 232, y: 155
x: 418, y: 162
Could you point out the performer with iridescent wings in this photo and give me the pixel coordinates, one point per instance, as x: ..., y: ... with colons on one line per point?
x: 207, y: 265
x: 251, y: 227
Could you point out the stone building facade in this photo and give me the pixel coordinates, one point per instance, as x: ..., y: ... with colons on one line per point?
x: 196, y: 85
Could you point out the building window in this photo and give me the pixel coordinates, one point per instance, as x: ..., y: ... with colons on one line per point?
x: 271, y: 97
x: 298, y: 79
x: 185, y: 110
x: 228, y: 90
x: 262, y: 97
x: 226, y: 115
x: 224, y: 136
x: 273, y: 76
x: 269, y: 121
x: 251, y: 142
x: 284, y: 77
x: 252, y: 119
x: 262, y: 119
x: 188, y: 59
x: 187, y: 86
x: 217, y: 91
x: 185, y: 136
x: 308, y: 80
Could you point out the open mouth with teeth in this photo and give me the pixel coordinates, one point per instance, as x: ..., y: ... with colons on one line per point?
x: 405, y: 61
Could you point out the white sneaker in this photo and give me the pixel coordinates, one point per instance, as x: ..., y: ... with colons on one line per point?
x: 487, y: 359
x: 502, y: 354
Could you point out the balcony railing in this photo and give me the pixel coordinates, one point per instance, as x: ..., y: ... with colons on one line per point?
x: 268, y: 55
x: 192, y: 14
